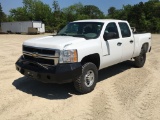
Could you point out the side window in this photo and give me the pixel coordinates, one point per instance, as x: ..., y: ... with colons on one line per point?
x: 112, y: 28
x: 125, y: 31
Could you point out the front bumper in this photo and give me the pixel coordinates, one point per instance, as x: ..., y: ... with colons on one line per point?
x: 61, y: 73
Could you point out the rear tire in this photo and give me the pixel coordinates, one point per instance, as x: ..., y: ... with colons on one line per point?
x: 141, y: 59
x: 87, y: 81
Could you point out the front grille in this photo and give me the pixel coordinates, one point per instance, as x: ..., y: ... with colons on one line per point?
x: 41, y: 55
x: 39, y: 50
x: 39, y: 60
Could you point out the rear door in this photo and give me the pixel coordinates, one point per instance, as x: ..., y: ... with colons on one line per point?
x: 127, y: 41
x: 112, y: 48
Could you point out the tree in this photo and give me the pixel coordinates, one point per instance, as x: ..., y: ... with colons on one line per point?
x: 57, y: 15
x: 19, y: 14
x: 32, y: 10
x: 144, y: 16
x: 42, y: 12
x: 111, y: 11
x: 2, y: 15
x: 115, y: 14
x: 56, y: 6
x: 78, y: 11
x: 72, y: 12
x: 93, y: 12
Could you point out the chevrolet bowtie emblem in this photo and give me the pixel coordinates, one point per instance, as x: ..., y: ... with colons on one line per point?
x: 35, y: 55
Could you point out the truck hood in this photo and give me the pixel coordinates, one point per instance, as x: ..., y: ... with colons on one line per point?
x: 53, y: 42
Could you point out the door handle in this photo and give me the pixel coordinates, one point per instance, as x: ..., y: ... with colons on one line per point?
x: 131, y: 41
x: 119, y: 44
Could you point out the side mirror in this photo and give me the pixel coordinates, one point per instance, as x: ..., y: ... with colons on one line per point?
x: 110, y: 35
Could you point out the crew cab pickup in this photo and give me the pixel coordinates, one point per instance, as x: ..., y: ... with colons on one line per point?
x: 80, y: 49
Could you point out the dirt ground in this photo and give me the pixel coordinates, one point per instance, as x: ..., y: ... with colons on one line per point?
x: 122, y: 93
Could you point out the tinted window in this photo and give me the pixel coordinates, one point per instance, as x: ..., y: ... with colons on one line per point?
x: 89, y: 30
x: 125, y: 31
x: 112, y: 27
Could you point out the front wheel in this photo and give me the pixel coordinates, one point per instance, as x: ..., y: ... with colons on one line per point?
x: 87, y: 81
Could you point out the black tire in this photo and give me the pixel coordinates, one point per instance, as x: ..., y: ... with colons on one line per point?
x: 87, y: 81
x: 141, y: 59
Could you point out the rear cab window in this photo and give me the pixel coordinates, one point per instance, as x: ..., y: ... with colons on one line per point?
x: 125, y: 31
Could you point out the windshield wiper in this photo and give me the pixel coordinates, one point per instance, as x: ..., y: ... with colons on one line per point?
x: 63, y: 34
x: 83, y: 36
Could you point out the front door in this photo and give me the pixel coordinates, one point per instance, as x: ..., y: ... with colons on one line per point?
x: 112, y: 48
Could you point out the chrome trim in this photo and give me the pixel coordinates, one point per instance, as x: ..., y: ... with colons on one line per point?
x: 40, y: 55
x: 44, y: 56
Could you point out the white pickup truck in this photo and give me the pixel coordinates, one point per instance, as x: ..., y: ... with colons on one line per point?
x: 80, y: 49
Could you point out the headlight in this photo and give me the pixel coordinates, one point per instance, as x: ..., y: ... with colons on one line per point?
x: 68, y: 56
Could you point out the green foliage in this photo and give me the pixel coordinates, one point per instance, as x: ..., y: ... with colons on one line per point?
x: 79, y: 11
x: 143, y: 16
x: 49, y: 29
x: 32, y: 10
x: 73, y: 12
x: 56, y: 6
x: 2, y: 15
x: 93, y: 12
x: 19, y: 14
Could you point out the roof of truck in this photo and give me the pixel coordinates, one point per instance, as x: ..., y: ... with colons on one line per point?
x: 100, y: 20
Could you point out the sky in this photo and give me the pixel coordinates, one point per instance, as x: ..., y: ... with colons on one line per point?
x: 103, y: 5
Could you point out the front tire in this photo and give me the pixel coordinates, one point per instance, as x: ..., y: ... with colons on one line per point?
x: 87, y: 81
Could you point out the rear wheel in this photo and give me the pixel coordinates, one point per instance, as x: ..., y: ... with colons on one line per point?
x: 87, y: 81
x: 141, y: 59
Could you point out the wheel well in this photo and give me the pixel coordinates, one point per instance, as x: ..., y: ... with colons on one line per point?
x: 145, y: 47
x: 94, y: 58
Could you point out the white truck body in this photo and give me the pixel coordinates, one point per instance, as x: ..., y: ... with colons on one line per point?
x: 108, y: 51
x: 80, y: 49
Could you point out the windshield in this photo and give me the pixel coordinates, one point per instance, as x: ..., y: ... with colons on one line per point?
x: 88, y: 30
